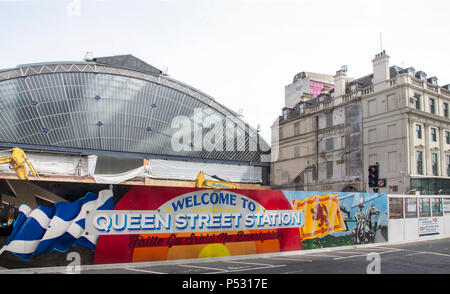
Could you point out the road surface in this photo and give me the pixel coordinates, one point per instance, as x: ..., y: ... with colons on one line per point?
x: 424, y: 257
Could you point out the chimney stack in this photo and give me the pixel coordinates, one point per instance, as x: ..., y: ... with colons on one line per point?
x: 339, y: 83
x: 380, y: 70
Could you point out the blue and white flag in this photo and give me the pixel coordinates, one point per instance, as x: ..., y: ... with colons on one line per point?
x: 45, y: 229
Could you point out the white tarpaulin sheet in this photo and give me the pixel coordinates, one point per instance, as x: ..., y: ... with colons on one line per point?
x: 78, y: 165
x: 182, y: 170
x: 57, y: 164
x: 143, y: 171
x: 185, y: 170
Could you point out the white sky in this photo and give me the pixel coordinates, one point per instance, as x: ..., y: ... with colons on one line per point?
x: 241, y: 52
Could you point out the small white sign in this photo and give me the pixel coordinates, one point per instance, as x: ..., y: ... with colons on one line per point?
x: 428, y: 226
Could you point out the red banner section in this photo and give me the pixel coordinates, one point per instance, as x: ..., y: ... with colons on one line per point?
x: 151, y: 247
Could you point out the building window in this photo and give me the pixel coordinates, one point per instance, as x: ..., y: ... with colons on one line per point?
x: 447, y: 137
x: 285, y: 114
x: 447, y: 163
x: 418, y: 131
x: 419, y: 162
x: 417, y: 101
x: 432, y: 106
x: 434, y: 164
x: 446, y: 109
x: 433, y: 135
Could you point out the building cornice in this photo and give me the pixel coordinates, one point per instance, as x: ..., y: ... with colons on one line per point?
x: 398, y: 82
x: 419, y: 116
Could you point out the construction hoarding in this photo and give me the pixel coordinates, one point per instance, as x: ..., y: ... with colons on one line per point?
x: 123, y: 224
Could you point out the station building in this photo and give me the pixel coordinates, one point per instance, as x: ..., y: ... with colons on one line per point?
x: 118, y: 119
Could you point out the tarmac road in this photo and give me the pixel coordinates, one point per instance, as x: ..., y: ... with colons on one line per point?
x: 424, y: 257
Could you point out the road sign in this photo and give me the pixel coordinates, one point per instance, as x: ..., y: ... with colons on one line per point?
x: 381, y: 183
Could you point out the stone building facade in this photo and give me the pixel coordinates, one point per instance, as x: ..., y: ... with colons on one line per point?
x: 394, y: 116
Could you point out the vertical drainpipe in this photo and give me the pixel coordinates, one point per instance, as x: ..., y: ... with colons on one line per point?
x: 361, y: 136
x: 316, y: 171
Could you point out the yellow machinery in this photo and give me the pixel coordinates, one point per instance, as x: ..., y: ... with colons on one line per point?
x: 202, y: 182
x: 18, y: 160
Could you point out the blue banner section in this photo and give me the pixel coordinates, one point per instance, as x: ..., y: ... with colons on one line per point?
x: 59, y: 227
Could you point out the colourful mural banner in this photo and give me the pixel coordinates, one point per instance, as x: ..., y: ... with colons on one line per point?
x: 353, y: 217
x: 322, y: 216
x: 123, y: 224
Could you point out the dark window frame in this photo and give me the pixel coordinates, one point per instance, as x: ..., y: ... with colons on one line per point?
x: 432, y: 105
x: 419, y: 166
x: 435, y: 163
x: 418, y: 131
x: 433, y: 133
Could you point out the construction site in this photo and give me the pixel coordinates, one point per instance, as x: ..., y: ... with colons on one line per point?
x: 114, y: 161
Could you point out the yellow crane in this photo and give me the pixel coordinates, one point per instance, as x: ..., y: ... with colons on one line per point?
x: 202, y: 182
x: 18, y: 160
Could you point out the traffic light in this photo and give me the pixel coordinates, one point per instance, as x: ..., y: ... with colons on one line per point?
x: 373, y: 175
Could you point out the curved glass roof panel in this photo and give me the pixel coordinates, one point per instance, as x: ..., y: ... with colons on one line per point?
x: 97, y: 107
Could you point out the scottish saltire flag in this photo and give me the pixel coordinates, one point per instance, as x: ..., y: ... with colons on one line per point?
x: 44, y: 229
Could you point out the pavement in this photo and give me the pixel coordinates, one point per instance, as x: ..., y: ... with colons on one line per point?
x: 423, y: 257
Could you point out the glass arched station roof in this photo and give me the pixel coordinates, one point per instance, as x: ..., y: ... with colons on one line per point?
x: 118, y: 104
